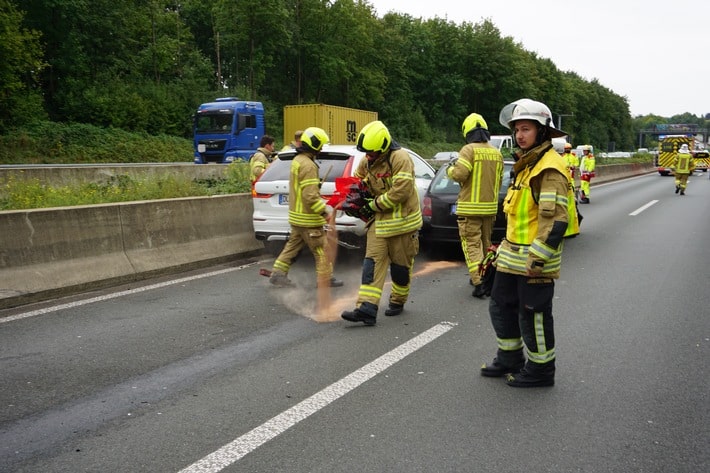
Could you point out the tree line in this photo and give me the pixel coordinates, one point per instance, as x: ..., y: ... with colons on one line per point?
x: 145, y: 66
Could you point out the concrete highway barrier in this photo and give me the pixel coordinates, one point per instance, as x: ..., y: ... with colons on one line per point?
x: 612, y: 172
x: 46, y: 253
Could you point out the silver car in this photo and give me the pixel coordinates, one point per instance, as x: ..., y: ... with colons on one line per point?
x: 270, y: 194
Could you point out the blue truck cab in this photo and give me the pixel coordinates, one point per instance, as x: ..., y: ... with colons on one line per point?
x: 227, y: 130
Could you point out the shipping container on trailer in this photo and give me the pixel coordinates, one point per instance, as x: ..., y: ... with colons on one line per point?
x: 342, y: 124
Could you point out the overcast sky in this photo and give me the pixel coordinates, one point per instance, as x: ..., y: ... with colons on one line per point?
x: 656, y: 54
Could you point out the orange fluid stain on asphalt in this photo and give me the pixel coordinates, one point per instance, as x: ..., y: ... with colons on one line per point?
x: 432, y: 266
x: 326, y: 308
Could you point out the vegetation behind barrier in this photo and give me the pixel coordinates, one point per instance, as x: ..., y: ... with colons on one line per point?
x: 19, y: 195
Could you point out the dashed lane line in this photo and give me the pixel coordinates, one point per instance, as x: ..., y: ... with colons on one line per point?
x: 642, y: 208
x: 241, y: 446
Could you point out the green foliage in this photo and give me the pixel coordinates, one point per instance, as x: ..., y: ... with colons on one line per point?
x: 145, y: 65
x: 77, y: 143
x: 21, y: 64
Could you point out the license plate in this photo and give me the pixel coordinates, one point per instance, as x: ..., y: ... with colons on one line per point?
x: 453, y: 209
x: 283, y: 199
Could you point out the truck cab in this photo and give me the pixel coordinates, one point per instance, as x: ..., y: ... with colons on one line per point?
x: 227, y: 130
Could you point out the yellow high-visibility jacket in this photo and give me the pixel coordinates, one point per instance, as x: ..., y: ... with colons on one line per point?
x: 390, y: 179
x: 537, y: 210
x: 479, y: 171
x: 306, y: 207
x: 683, y: 163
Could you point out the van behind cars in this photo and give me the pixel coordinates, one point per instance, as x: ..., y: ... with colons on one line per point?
x: 504, y: 144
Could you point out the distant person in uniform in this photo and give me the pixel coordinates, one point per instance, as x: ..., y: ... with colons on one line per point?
x: 260, y: 160
x: 586, y: 167
x: 296, y: 143
x: 683, y: 167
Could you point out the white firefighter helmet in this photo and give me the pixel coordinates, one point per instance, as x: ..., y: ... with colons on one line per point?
x: 527, y: 109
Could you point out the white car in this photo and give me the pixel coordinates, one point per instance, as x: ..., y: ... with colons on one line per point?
x: 270, y: 194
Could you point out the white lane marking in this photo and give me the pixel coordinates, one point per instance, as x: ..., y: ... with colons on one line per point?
x: 641, y: 209
x: 241, y: 446
x: 106, y: 297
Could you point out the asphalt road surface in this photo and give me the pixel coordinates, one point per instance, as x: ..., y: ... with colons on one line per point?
x: 216, y: 371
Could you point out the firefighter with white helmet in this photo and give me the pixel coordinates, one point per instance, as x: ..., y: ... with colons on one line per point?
x: 573, y: 168
x: 307, y: 213
x: 479, y: 171
x: 530, y: 257
x: 683, y: 167
x: 586, y: 167
x: 393, y: 232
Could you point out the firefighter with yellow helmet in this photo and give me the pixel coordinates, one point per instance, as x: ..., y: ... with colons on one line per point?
x: 393, y: 233
x: 307, y: 213
x: 479, y: 171
x: 530, y: 257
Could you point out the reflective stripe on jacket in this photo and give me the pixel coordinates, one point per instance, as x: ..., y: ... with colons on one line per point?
x: 305, y: 205
x: 479, y: 171
x: 390, y: 178
x: 683, y: 163
x: 537, y: 209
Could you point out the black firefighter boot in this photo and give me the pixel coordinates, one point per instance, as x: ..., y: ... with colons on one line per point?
x: 394, y: 309
x: 533, y: 375
x: 366, y: 313
x: 504, y: 363
x: 478, y: 291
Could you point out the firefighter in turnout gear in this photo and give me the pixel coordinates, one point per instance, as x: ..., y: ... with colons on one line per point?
x: 683, y: 167
x: 573, y: 170
x: 392, y: 234
x: 260, y: 160
x: 479, y: 171
x: 530, y: 257
x: 572, y: 164
x: 586, y: 168
x: 307, y: 214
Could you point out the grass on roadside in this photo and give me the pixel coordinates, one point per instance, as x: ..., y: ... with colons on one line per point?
x: 20, y: 195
